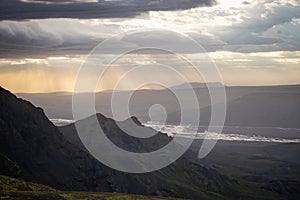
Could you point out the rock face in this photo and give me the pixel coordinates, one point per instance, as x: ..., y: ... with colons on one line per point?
x: 43, y: 155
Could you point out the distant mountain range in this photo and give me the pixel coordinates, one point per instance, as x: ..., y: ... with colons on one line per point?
x: 264, y: 109
x: 197, y: 85
x: 256, y: 106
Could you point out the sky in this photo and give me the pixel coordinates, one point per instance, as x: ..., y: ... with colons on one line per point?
x: 43, y: 43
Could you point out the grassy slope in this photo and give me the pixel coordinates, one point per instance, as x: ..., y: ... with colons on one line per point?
x: 15, y: 189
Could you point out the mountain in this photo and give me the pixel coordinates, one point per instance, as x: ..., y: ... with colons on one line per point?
x: 197, y: 85
x: 118, y: 136
x: 186, y: 175
x: 29, y: 141
x: 265, y: 110
x: 40, y: 151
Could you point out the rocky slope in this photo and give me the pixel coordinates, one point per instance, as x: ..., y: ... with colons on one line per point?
x: 43, y: 155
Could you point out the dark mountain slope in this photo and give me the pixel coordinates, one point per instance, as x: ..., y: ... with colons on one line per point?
x: 184, y: 178
x: 193, y: 178
x: 8, y: 167
x: 43, y: 155
x: 29, y: 139
x: 118, y: 137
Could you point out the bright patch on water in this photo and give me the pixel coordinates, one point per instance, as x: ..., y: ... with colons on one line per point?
x: 189, y: 131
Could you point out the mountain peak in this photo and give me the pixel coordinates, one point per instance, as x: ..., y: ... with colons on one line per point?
x: 134, y: 119
x: 197, y: 85
x: 3, y: 91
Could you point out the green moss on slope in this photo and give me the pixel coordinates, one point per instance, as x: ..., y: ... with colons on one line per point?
x: 13, y: 185
x: 15, y: 189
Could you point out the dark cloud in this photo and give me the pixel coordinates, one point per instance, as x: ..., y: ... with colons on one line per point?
x: 37, y: 39
x: 246, y: 3
x: 32, y: 39
x: 41, y: 9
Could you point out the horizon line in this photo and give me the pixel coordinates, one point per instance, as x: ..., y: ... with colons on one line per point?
x: 157, y: 89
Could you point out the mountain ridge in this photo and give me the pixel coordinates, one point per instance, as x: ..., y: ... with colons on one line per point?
x: 44, y: 156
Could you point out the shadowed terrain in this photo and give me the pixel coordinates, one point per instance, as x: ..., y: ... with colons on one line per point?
x: 44, y: 156
x: 33, y: 149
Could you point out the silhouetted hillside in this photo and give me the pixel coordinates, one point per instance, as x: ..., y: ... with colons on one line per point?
x: 44, y: 156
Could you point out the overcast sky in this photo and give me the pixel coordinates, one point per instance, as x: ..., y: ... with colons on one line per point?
x: 44, y: 42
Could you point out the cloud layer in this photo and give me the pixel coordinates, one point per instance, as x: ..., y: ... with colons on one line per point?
x: 41, y: 9
x: 260, y: 26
